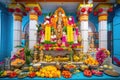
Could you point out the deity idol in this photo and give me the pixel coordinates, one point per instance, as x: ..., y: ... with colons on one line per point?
x: 59, y: 27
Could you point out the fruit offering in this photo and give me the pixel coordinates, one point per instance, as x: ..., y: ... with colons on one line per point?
x: 66, y: 74
x: 83, y: 67
x: 12, y: 74
x: 31, y: 69
x: 69, y: 66
x: 76, y: 71
x: 87, y: 73
x: 107, y: 67
x: 61, y: 59
x: 31, y: 74
x: 49, y: 72
x: 18, y: 71
x: 17, y: 62
x: 23, y: 75
x: 97, y: 73
x: 48, y: 58
x: 3, y: 73
x: 91, y: 61
x: 112, y: 73
x: 76, y: 58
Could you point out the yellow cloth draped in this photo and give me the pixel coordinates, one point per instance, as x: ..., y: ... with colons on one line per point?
x: 47, y: 33
x: 69, y: 33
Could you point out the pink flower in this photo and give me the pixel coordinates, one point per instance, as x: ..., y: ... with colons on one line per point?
x: 67, y: 45
x: 100, y: 56
x: 13, y: 57
x: 71, y: 20
x: 47, y: 48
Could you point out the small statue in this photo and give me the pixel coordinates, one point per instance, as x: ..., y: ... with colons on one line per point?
x: 53, y: 37
x: 79, y: 38
x: 41, y: 55
x: 75, y: 37
x: 64, y: 39
x: 91, y: 40
x: 92, y: 52
x: 35, y: 57
x: 59, y: 27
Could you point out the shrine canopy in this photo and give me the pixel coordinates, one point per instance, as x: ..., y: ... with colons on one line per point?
x: 58, y: 32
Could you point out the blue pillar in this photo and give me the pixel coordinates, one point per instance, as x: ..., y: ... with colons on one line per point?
x: 116, y: 32
x: 0, y: 36
x: 5, y: 32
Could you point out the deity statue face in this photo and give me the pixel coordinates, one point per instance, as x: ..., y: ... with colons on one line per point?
x: 60, y: 14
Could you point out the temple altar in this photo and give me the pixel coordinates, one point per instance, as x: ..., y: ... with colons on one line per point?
x: 59, y: 40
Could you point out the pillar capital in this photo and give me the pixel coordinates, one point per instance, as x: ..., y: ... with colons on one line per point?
x: 102, y: 10
x: 83, y: 11
x: 102, y: 17
x: 17, y: 17
x: 33, y: 16
x: 85, y: 8
x: 104, y: 6
x: 33, y: 8
x: 83, y: 17
x: 16, y: 8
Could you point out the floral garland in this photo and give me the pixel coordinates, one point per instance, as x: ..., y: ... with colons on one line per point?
x: 47, y: 33
x: 70, y: 33
x: 57, y: 47
x: 101, y: 55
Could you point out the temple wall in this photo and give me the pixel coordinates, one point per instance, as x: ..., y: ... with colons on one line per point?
x: 5, y: 32
x: 116, y: 32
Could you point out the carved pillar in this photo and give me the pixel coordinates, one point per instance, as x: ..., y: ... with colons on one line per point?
x: 34, y: 10
x: 17, y: 29
x: 83, y: 18
x: 103, y: 10
x: 33, y: 29
x: 17, y: 10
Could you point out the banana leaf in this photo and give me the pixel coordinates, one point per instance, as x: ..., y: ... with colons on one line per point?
x: 27, y: 60
x: 38, y: 27
x: 28, y: 55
